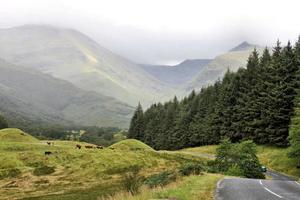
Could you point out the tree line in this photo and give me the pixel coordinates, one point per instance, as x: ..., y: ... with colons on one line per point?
x: 255, y: 103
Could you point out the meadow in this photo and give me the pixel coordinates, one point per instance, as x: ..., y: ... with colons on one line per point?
x: 71, y: 173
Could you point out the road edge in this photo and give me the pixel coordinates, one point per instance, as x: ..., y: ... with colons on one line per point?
x: 216, y: 195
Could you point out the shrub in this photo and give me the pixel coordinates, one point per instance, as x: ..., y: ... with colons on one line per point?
x: 190, y: 168
x: 235, y: 170
x: 9, y: 173
x: 43, y: 170
x: 132, y: 181
x: 238, y: 159
x: 212, y: 166
x: 160, y: 179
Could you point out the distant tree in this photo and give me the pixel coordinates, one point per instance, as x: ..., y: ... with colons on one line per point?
x: 137, y: 126
x: 3, y: 122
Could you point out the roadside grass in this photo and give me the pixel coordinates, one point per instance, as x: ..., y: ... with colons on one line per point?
x: 186, y: 188
x: 75, y: 170
x: 276, y: 158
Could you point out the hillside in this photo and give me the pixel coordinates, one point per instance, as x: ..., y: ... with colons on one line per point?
x: 70, y: 173
x: 70, y: 55
x: 28, y: 95
x: 214, y: 70
x: 178, y: 74
x: 15, y: 135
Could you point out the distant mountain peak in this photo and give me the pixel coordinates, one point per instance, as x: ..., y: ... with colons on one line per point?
x: 193, y: 63
x: 243, y: 46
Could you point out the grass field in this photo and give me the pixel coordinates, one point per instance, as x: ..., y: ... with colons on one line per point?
x: 70, y: 173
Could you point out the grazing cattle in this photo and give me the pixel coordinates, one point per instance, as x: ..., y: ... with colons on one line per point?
x: 112, y: 148
x: 88, y: 146
x: 99, y: 147
x: 50, y: 143
x: 78, y: 146
x: 48, y: 153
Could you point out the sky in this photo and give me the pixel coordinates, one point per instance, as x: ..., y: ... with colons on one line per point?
x: 163, y: 31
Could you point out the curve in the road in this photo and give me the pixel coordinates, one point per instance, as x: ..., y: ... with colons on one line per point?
x: 283, y: 187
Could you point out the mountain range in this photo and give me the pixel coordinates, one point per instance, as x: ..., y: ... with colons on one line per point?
x: 51, y: 74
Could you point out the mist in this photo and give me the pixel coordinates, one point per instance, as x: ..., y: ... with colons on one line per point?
x: 167, y: 32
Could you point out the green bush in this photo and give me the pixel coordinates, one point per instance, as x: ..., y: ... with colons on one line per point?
x: 191, y: 168
x: 212, y: 166
x: 43, y: 170
x: 160, y: 179
x: 9, y: 173
x: 131, y: 180
x: 235, y: 170
x: 238, y: 159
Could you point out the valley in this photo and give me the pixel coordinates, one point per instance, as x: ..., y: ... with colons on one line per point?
x: 87, y: 84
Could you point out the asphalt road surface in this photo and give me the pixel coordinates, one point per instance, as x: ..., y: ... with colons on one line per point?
x: 281, y: 187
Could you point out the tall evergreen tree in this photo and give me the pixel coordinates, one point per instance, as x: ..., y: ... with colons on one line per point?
x: 294, y: 131
x: 137, y: 126
x: 3, y: 122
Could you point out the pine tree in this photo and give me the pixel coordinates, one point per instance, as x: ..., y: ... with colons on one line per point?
x: 294, y: 129
x: 137, y: 128
x: 3, y: 122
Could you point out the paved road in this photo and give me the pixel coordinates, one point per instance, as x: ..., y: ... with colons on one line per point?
x: 281, y: 187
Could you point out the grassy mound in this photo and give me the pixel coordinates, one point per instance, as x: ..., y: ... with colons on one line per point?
x: 15, y: 135
x: 131, y: 144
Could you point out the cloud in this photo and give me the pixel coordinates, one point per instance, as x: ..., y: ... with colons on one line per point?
x: 163, y: 31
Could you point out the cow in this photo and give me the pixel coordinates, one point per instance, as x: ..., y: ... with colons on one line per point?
x: 50, y: 143
x: 99, y: 147
x: 88, y: 146
x: 48, y: 153
x: 78, y: 146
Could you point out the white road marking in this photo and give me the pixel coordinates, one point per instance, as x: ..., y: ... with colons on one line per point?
x: 267, y: 189
x: 297, y: 183
x: 273, y: 192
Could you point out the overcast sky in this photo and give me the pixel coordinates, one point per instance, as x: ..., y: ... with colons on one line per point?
x: 163, y: 31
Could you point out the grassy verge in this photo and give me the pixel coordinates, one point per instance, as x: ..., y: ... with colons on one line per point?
x: 187, y: 188
x: 276, y: 158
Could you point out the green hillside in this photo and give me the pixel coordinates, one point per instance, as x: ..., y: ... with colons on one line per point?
x: 15, y: 135
x: 70, y: 173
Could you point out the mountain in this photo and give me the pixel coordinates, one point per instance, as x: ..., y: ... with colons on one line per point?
x: 178, y: 74
x: 72, y: 56
x: 29, y: 96
x: 243, y: 46
x: 232, y: 60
